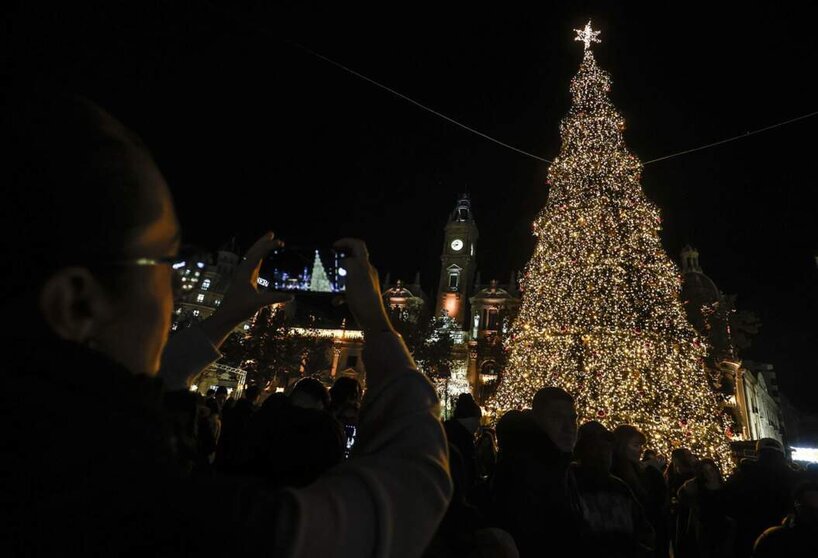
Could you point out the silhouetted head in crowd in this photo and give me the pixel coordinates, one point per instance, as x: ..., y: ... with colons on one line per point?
x: 770, y: 450
x: 252, y: 394
x: 86, y: 215
x: 628, y: 443
x: 210, y: 393
x: 221, y: 396
x: 553, y: 411
x: 707, y: 473
x: 514, y: 431
x: 309, y: 393
x: 594, y: 447
x: 345, y: 399
x: 806, y: 505
x: 467, y: 412
x: 291, y: 445
x: 682, y: 462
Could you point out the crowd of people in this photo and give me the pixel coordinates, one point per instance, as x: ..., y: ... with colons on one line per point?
x: 555, y: 485
x: 107, y: 451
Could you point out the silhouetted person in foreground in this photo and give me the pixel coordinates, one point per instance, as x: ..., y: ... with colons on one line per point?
x: 760, y: 493
x: 610, y: 519
x: 528, y: 489
x: 797, y: 536
x: 465, y: 530
x: 309, y: 393
x: 89, y: 465
x: 345, y: 399
x: 709, y: 532
x: 235, y: 420
x: 460, y: 432
x: 289, y: 445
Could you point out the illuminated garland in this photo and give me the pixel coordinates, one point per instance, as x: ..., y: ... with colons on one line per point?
x: 601, y: 315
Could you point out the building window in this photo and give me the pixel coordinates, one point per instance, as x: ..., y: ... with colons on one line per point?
x: 454, y: 279
x: 200, y: 298
x: 205, y: 284
x: 490, y: 319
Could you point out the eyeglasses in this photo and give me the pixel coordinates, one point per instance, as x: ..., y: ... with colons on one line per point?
x: 177, y: 264
x: 187, y: 261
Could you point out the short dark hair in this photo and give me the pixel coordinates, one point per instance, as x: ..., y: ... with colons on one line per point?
x: 466, y: 407
x: 589, y: 435
x: 314, y: 389
x: 548, y: 394
x: 344, y: 389
x: 68, y: 167
x: 221, y: 390
x: 514, y: 430
x: 252, y: 392
x: 626, y: 432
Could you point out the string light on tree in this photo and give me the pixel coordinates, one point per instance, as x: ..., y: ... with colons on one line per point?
x: 601, y: 315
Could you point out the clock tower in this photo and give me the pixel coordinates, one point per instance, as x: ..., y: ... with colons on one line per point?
x: 458, y: 262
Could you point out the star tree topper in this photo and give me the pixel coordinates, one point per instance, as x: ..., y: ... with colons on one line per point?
x: 587, y: 35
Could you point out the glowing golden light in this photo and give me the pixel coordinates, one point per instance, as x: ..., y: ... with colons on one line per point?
x: 601, y: 315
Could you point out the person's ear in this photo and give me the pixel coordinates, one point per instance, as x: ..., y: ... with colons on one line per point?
x: 74, y: 304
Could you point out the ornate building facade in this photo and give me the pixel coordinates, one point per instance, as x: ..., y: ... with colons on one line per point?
x: 751, y: 403
x: 314, y: 313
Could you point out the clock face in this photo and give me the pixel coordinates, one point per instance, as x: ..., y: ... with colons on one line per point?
x: 457, y: 244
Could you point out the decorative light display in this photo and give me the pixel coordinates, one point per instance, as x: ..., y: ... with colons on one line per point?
x: 601, y: 315
x: 319, y: 282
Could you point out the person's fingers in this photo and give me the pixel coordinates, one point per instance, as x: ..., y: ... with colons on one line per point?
x: 260, y: 249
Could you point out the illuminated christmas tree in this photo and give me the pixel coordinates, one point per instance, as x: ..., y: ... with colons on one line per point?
x: 601, y: 315
x: 319, y: 282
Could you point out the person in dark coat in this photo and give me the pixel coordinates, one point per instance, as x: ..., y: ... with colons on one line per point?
x: 796, y: 536
x: 288, y: 445
x: 682, y: 468
x: 645, y: 482
x: 528, y: 488
x: 235, y: 420
x: 89, y: 463
x: 611, y: 522
x: 759, y: 493
x: 709, y: 532
x: 460, y: 431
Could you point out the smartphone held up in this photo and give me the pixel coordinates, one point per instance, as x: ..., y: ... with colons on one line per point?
x: 304, y: 268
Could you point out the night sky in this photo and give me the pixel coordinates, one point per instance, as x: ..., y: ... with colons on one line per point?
x: 254, y: 133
